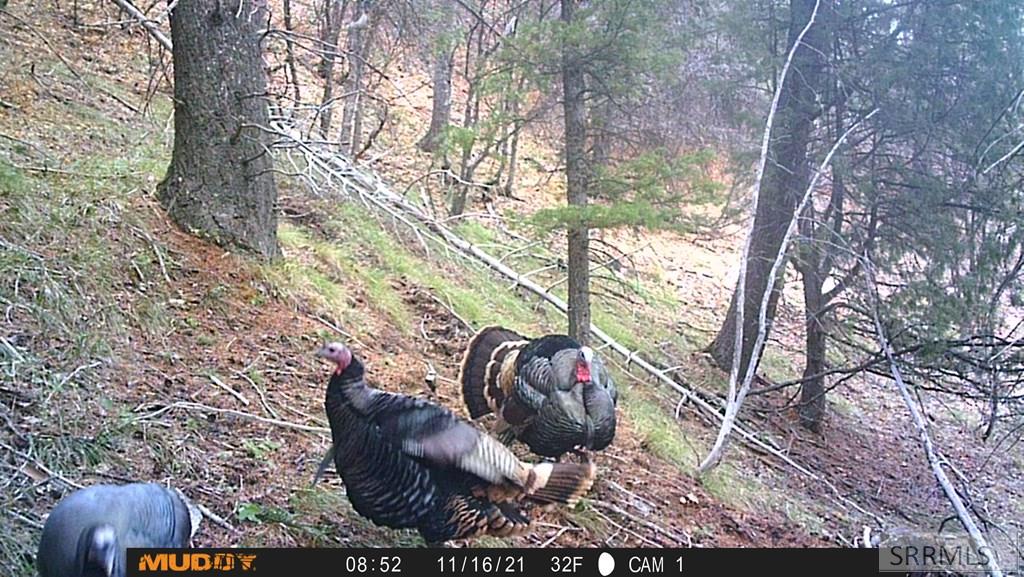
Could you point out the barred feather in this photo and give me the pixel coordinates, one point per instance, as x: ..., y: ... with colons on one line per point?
x: 410, y: 463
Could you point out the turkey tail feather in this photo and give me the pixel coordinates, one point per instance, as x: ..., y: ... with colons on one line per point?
x: 560, y: 482
x: 478, y: 373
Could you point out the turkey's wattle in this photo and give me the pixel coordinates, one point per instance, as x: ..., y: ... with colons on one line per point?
x: 583, y: 365
x: 408, y: 463
x: 550, y: 393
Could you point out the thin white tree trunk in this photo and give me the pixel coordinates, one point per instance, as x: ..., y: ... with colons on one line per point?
x: 732, y: 398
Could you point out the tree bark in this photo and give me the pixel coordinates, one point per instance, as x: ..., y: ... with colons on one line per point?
x: 444, y: 53
x: 220, y: 183
x: 784, y: 180
x: 577, y: 179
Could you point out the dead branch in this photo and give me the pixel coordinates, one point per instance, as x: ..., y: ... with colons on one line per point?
x: 189, y: 406
x: 241, y: 398
x: 148, y: 24
x: 682, y: 540
x: 926, y: 441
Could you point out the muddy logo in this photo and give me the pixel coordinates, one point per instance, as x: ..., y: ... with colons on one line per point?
x: 162, y: 562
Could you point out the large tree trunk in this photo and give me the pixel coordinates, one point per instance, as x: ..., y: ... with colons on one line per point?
x: 220, y: 183
x: 784, y: 182
x: 444, y: 53
x: 577, y: 178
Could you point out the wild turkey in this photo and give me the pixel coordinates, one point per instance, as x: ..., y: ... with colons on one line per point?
x: 550, y: 393
x: 408, y: 463
x: 88, y: 533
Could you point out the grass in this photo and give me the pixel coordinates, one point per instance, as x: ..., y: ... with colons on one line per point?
x: 661, y: 434
x: 77, y: 277
x: 353, y: 255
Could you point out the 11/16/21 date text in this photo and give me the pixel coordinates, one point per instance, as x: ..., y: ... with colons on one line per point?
x: 559, y: 563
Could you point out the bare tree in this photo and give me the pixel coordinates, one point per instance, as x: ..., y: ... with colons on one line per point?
x: 220, y: 182
x: 761, y: 301
x: 330, y: 30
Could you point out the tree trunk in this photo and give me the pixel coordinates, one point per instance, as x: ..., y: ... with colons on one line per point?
x: 444, y: 53
x: 470, y: 116
x: 334, y: 11
x: 577, y: 179
x: 357, y: 47
x: 510, y: 180
x: 293, y: 71
x: 812, y: 390
x: 220, y: 182
x: 784, y: 181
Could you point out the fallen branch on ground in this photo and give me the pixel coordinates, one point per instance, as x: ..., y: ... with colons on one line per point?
x: 208, y: 409
x: 926, y: 441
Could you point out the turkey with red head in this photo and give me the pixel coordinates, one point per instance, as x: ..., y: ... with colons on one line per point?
x: 550, y: 393
x: 409, y: 463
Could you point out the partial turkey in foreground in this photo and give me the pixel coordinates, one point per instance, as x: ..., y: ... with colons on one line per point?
x: 550, y: 393
x: 88, y: 533
x: 408, y: 463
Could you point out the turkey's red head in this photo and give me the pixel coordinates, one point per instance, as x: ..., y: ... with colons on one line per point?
x: 338, y: 354
x: 583, y: 363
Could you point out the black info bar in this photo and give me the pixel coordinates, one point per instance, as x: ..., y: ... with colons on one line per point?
x: 495, y: 562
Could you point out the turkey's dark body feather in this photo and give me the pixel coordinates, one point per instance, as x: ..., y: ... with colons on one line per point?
x: 407, y: 463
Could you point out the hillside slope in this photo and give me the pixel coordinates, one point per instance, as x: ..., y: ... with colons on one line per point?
x: 130, y: 350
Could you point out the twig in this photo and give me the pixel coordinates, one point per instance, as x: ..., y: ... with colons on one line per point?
x: 259, y: 392
x: 241, y: 398
x: 336, y: 329
x: 451, y: 309
x: 688, y: 541
x: 215, y: 518
x: 156, y: 250
x: 208, y: 409
x: 561, y: 531
x: 46, y: 41
x: 626, y: 529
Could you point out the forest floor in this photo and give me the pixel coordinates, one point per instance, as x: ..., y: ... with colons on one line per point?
x: 130, y: 350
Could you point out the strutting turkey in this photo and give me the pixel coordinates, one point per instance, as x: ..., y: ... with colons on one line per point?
x: 409, y: 463
x: 550, y: 393
x: 88, y: 533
